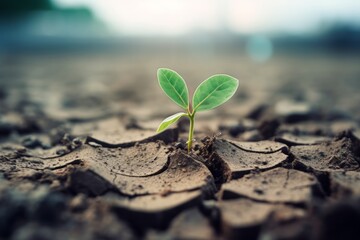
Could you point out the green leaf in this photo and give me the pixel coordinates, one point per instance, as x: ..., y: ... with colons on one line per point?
x: 170, y: 120
x: 174, y: 86
x: 214, y: 91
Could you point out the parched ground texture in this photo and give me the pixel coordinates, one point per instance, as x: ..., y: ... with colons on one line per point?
x: 80, y: 158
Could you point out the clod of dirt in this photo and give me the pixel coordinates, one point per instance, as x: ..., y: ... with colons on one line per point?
x: 154, y: 211
x: 327, y: 157
x: 190, y: 224
x: 15, y: 122
x: 278, y: 185
x: 251, y: 136
x: 238, y: 158
x: 345, y: 184
x: 312, y: 128
x: 319, y: 128
x: 87, y: 182
x: 233, y: 129
x: 32, y: 142
x: 343, y: 125
x: 267, y: 127
x: 294, y: 111
x: 257, y: 111
x: 293, y: 140
x: 78, y: 203
x: 26, y: 173
x: 280, y: 226
x: 243, y: 218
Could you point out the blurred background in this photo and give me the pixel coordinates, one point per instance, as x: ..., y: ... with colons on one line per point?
x: 259, y: 28
x: 62, y: 56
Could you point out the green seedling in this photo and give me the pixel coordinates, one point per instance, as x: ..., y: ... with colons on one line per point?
x: 210, y: 94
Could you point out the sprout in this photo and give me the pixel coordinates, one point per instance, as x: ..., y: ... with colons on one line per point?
x: 210, y: 94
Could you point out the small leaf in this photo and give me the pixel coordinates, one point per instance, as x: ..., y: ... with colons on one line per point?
x: 170, y: 120
x: 174, y: 86
x: 214, y: 91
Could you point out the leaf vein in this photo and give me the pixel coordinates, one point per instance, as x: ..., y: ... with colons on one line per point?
x: 210, y: 94
x: 181, y: 98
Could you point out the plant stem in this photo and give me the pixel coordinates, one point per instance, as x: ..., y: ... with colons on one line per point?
x: 191, y: 131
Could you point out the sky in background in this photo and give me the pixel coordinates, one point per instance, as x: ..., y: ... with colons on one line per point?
x: 176, y: 17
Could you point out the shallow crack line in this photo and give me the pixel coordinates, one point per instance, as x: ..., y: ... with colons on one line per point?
x: 287, y: 179
x: 301, y: 186
x: 114, y: 179
x: 42, y: 158
x: 262, y: 152
x: 301, y: 205
x: 110, y: 145
x: 39, y: 169
x: 48, y: 158
x: 164, y: 193
x: 291, y: 143
x: 25, y: 160
x: 75, y: 161
x: 163, y: 169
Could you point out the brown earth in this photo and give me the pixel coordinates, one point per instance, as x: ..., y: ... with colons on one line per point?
x: 80, y: 159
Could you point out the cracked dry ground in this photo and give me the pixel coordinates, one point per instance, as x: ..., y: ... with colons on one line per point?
x: 84, y: 162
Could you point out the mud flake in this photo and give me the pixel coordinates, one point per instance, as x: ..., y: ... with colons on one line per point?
x: 243, y: 218
x: 336, y: 155
x: 293, y: 140
x: 345, y: 184
x: 88, y: 183
x: 282, y: 186
x: 183, y: 174
x: 128, y: 162
x: 191, y: 224
x: 238, y: 161
x: 154, y: 210
x: 132, y: 137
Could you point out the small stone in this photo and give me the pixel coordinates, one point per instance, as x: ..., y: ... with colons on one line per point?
x: 78, y: 203
x: 31, y: 142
